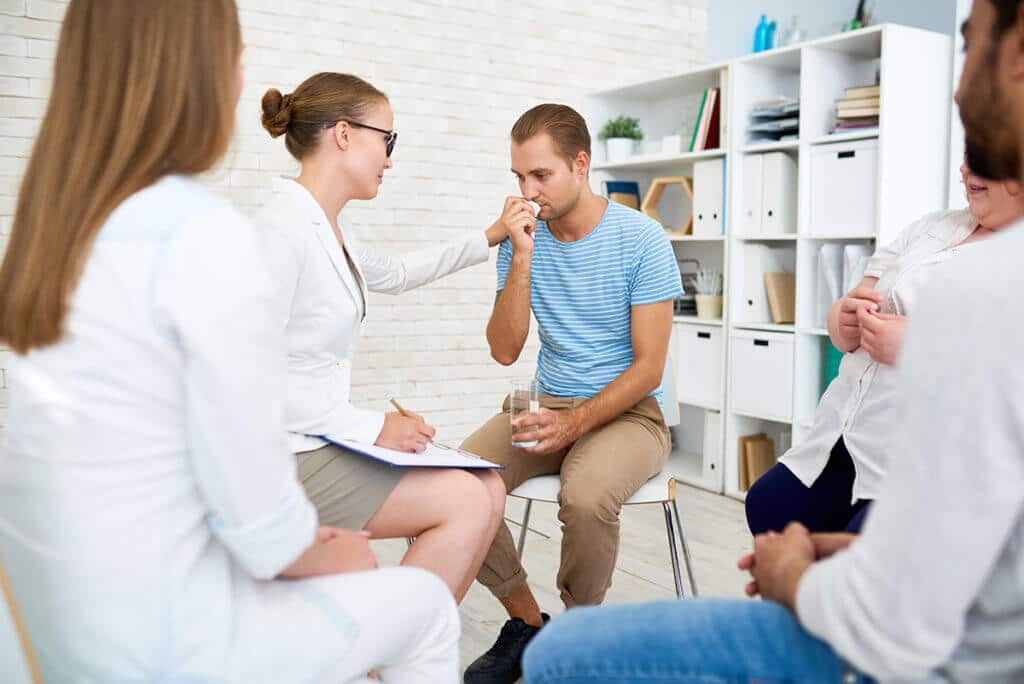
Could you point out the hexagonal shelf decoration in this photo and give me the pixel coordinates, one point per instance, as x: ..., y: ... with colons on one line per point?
x: 653, y: 197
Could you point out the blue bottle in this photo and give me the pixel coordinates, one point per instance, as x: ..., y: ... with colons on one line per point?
x: 769, y: 41
x: 761, y: 35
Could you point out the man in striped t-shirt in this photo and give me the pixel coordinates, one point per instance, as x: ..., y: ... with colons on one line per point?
x: 600, y: 279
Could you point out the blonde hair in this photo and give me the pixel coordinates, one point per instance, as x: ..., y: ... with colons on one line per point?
x: 564, y: 124
x: 323, y: 98
x: 140, y: 90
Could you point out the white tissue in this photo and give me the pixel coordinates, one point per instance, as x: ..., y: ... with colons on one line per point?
x: 534, y: 206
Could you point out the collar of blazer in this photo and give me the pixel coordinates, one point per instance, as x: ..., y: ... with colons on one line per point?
x: 304, y: 204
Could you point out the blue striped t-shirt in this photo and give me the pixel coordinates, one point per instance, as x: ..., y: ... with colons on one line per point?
x: 581, y: 293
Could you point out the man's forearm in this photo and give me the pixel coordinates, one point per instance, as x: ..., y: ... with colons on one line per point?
x: 510, y: 321
x: 635, y: 383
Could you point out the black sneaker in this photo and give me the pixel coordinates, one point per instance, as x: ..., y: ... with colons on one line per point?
x: 503, y: 662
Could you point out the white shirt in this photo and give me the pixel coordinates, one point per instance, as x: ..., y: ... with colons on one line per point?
x: 147, y: 491
x: 860, y: 402
x: 321, y: 296
x: 934, y: 587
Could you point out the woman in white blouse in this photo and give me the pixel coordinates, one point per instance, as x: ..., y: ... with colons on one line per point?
x: 828, y: 481
x: 340, y: 128
x: 151, y: 520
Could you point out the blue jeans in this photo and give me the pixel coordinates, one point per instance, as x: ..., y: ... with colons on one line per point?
x: 705, y: 641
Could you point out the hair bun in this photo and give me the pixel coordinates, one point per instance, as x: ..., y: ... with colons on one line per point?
x: 277, y: 112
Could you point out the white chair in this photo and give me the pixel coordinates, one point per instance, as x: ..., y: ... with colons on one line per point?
x: 660, y: 489
x: 19, y: 664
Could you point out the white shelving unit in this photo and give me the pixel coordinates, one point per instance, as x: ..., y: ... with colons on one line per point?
x: 909, y: 169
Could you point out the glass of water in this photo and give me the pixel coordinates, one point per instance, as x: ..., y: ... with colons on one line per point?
x: 525, y: 398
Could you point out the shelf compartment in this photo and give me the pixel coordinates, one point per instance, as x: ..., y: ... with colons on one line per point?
x: 658, y: 161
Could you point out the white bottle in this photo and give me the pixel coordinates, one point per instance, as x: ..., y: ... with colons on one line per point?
x: 794, y: 34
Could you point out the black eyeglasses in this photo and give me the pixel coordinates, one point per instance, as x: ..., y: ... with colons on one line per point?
x: 391, y: 139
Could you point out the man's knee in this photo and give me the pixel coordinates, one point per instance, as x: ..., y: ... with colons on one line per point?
x: 586, y: 502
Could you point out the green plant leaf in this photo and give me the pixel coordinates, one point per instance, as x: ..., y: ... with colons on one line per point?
x: 621, y: 127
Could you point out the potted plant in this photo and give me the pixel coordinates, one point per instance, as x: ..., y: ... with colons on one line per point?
x: 709, y: 293
x: 620, y: 135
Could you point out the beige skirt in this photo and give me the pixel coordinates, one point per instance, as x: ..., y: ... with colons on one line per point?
x: 346, y: 488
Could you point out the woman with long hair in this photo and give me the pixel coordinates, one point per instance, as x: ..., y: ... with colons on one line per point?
x: 150, y: 512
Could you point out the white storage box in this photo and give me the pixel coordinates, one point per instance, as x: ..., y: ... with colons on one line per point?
x: 761, y: 374
x: 697, y: 358
x: 844, y: 188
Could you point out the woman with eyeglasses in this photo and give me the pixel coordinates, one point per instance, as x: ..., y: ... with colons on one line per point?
x: 341, y: 130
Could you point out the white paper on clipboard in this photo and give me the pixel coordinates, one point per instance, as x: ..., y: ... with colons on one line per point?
x: 436, y: 455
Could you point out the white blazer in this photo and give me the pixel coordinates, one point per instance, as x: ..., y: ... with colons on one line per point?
x: 322, y: 305
x: 146, y: 490
x: 862, y: 404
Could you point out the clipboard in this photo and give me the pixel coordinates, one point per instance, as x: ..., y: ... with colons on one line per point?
x: 436, y: 455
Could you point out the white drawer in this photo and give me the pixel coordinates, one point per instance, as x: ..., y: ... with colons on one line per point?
x: 844, y: 192
x: 697, y: 358
x: 761, y: 374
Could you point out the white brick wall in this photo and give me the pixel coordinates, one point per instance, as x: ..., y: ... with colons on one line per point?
x: 458, y: 74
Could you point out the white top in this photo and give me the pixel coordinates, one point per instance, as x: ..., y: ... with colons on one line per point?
x: 321, y: 299
x: 936, y: 580
x: 859, y: 403
x: 147, y: 487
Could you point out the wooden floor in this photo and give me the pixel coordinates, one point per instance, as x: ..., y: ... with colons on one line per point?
x: 715, y: 529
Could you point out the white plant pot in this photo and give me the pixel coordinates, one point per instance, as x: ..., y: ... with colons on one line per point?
x: 620, y: 149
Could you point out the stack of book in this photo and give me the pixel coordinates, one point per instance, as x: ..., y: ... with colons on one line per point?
x: 858, y: 110
x: 775, y: 119
x: 706, y: 134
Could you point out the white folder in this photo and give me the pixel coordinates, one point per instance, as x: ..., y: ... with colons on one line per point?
x: 829, y: 281
x: 855, y: 262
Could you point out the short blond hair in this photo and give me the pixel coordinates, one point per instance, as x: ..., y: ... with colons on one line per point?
x: 564, y: 124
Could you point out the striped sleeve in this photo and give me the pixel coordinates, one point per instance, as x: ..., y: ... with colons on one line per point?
x: 655, y: 276
x: 504, y: 262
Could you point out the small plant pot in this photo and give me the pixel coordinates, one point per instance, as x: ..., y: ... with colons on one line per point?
x: 620, y: 149
x: 709, y: 306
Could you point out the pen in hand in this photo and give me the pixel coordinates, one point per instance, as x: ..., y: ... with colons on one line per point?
x: 407, y: 414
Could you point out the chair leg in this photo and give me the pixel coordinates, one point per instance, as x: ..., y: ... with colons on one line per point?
x: 673, y: 553
x: 522, y: 530
x: 686, y: 549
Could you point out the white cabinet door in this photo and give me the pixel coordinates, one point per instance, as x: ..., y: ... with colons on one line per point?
x: 697, y: 356
x: 761, y: 374
x: 844, y: 198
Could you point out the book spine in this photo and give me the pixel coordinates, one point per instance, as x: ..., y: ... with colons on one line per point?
x: 696, y: 127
